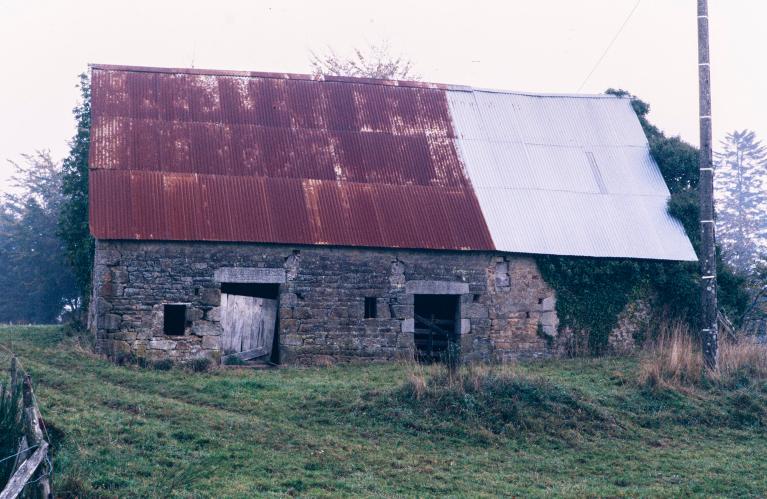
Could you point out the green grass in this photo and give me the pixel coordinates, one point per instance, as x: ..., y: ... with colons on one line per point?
x: 568, y: 428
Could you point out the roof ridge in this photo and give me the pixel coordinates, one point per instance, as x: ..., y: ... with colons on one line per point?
x: 264, y: 74
x: 339, y: 79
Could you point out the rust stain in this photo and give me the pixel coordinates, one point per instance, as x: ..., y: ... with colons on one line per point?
x: 263, y: 157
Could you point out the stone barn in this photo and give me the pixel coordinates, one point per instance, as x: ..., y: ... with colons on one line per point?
x: 304, y: 220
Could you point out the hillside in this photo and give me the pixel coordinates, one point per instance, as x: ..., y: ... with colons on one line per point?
x: 573, y: 428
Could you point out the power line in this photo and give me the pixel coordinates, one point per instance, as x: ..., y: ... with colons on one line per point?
x: 610, y: 45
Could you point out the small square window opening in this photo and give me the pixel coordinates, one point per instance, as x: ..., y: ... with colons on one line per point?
x: 370, y: 307
x: 174, y: 319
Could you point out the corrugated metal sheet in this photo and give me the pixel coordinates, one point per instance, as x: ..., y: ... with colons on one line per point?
x: 274, y: 127
x: 224, y: 156
x: 279, y: 158
x: 205, y: 207
x: 565, y: 175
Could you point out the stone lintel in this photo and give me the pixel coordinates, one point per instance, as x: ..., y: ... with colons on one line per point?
x: 250, y: 275
x: 436, y: 287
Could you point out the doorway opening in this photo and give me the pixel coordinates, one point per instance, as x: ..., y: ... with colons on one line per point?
x: 249, y: 320
x: 436, y: 338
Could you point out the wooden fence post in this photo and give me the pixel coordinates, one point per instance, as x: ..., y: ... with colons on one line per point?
x: 22, y: 451
x: 14, y: 375
x: 34, y: 435
x: 25, y: 472
x: 28, y: 464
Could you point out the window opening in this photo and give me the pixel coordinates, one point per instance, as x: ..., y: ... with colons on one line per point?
x: 174, y: 319
x: 370, y: 307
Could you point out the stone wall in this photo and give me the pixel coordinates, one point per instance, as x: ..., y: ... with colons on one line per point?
x: 506, y: 310
x: 633, y: 324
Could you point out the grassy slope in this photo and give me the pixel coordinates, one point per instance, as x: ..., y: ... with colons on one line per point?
x: 129, y: 432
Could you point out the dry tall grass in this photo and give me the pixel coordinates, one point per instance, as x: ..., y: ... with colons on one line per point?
x: 423, y: 378
x: 671, y: 360
x: 745, y: 358
x: 674, y: 360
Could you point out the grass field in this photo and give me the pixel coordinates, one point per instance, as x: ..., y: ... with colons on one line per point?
x: 569, y: 428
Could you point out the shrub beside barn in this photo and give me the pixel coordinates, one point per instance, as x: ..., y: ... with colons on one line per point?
x: 282, y: 217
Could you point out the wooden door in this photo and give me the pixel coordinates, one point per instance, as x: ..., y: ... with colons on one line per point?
x: 248, y: 324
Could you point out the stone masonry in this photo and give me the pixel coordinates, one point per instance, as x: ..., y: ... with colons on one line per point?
x: 633, y: 323
x: 506, y: 310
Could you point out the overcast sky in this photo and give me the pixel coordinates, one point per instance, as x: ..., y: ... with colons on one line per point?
x: 532, y: 45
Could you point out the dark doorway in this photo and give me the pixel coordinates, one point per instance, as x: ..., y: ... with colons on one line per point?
x: 435, y: 334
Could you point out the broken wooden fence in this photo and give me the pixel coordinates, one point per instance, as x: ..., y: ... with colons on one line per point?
x: 32, y: 466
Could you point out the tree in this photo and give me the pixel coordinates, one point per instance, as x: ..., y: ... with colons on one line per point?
x: 374, y: 62
x: 678, y: 164
x: 37, y: 284
x: 755, y: 316
x: 741, y: 169
x: 73, y: 222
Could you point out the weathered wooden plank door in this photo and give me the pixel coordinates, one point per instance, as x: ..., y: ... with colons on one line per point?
x: 248, y: 323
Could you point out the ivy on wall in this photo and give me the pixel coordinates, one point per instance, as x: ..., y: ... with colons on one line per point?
x: 591, y: 292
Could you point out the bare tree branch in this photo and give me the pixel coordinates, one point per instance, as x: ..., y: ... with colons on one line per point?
x: 375, y: 61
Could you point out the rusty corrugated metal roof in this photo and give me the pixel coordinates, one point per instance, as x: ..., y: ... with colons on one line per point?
x: 188, y: 154
x: 204, y: 207
x: 226, y: 156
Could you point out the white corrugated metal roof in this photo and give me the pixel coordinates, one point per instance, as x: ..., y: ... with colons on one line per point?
x: 565, y: 175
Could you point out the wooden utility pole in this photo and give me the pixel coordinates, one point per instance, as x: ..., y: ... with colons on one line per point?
x: 709, y: 333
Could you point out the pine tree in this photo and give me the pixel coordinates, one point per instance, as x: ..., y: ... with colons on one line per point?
x: 741, y: 173
x: 73, y: 223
